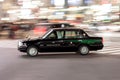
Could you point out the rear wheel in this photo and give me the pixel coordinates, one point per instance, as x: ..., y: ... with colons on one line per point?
x: 32, y: 51
x: 83, y: 50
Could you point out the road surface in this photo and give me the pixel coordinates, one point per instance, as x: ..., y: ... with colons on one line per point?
x: 98, y: 65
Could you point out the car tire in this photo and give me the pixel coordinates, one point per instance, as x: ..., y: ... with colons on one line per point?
x: 32, y: 51
x: 83, y: 50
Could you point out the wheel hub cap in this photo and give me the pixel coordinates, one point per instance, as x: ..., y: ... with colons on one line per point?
x: 33, y: 51
x: 84, y: 50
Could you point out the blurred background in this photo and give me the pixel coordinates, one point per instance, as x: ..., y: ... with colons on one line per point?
x: 19, y: 18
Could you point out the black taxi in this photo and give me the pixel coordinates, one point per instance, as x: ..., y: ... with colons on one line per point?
x: 61, y: 40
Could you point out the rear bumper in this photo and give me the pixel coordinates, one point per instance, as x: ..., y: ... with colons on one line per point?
x: 96, y: 47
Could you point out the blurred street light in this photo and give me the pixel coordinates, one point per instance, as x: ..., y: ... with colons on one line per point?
x: 119, y: 11
x: 1, y: 8
x: 1, y: 0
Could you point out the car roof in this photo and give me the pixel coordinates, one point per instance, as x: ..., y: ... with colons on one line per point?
x: 67, y: 29
x: 50, y: 23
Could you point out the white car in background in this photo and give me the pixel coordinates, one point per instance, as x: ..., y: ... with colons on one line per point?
x: 105, y: 27
x: 99, y: 27
x: 114, y: 28
x: 83, y: 26
x: 102, y: 28
x: 108, y: 28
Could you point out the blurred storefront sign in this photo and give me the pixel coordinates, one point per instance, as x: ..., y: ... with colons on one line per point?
x: 58, y: 3
x: 88, y: 2
x: 1, y: 0
x: 105, y: 1
x: 30, y: 3
x: 109, y: 2
x: 6, y: 6
x: 20, y: 2
x: 115, y: 1
x: 75, y: 2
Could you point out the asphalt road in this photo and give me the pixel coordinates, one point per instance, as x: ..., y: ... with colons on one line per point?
x: 100, y: 65
x: 59, y: 66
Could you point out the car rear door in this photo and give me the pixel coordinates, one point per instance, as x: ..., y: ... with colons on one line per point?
x: 72, y: 39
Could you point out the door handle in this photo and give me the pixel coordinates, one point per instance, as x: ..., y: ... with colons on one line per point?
x: 53, y: 42
x: 61, y: 41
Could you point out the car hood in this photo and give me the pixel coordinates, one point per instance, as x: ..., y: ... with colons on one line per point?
x: 31, y: 39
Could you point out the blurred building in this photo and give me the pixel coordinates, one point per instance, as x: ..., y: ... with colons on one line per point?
x: 62, y: 9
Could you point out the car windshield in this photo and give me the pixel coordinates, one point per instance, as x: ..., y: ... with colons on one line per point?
x: 35, y: 34
x: 45, y: 34
x: 39, y: 30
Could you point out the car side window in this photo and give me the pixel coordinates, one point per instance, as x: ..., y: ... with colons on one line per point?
x: 82, y: 35
x: 60, y: 34
x: 70, y: 34
x: 52, y: 36
x: 75, y: 34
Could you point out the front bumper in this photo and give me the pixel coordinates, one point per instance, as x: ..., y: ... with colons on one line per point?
x: 22, y: 47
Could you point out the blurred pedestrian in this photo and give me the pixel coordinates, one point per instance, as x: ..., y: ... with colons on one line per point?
x: 11, y: 34
x: 12, y: 30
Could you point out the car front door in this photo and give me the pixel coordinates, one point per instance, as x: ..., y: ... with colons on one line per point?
x: 52, y: 42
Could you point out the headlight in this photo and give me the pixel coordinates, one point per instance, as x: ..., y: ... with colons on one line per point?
x: 20, y: 43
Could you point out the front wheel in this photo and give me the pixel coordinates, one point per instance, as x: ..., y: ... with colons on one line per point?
x: 83, y: 50
x: 32, y: 51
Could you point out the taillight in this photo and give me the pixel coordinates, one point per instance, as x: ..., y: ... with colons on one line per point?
x: 102, y: 40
